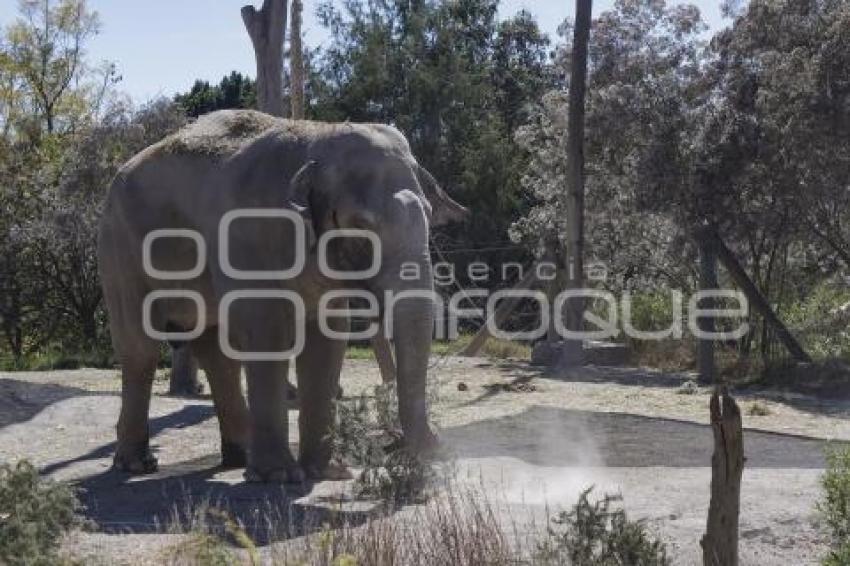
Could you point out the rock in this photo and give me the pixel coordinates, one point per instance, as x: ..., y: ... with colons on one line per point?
x: 562, y: 354
x: 571, y: 353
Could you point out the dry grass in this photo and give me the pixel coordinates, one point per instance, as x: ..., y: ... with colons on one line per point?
x: 666, y: 355
x: 461, y: 525
x: 494, y: 348
x: 758, y: 409
x: 458, y: 527
x: 688, y: 388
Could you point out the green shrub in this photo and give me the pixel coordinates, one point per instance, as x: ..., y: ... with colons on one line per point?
x: 594, y: 534
x: 57, y: 359
x: 834, y: 505
x: 34, y: 514
x: 840, y: 556
x: 366, y: 435
x: 818, y: 322
x: 651, y: 311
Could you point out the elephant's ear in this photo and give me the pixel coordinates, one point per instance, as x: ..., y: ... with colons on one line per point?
x: 302, y: 194
x: 302, y: 184
x: 443, y: 208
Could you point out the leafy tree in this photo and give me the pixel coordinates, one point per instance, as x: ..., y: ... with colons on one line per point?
x: 454, y: 80
x: 643, y: 58
x: 45, y: 48
x: 65, y: 134
x: 234, y: 91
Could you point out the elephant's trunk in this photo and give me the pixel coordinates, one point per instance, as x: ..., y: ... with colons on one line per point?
x: 412, y: 316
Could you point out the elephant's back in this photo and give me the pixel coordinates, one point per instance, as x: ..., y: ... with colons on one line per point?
x: 217, y: 135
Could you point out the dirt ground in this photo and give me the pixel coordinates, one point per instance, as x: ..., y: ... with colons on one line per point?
x: 534, y: 442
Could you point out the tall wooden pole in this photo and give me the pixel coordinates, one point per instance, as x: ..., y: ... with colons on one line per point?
x: 707, y: 282
x: 296, y: 62
x: 267, y: 29
x: 575, y: 162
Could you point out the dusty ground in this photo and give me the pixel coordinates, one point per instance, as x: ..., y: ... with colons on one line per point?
x: 531, y: 441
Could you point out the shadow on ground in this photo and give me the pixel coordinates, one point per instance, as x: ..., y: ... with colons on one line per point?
x: 189, y: 415
x: 173, y: 497
x: 22, y: 400
x: 540, y: 436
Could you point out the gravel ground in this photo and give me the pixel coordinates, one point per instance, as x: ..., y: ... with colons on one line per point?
x: 534, y: 442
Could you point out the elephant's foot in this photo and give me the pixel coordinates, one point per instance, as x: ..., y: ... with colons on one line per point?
x: 425, y: 443
x: 274, y: 475
x: 233, y: 455
x: 135, y: 458
x: 274, y: 470
x: 332, y: 471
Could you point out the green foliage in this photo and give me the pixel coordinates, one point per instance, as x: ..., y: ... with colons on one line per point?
x: 234, y: 91
x: 58, y: 359
x: 651, y: 311
x: 34, y: 514
x: 594, y: 534
x: 453, y: 79
x: 838, y: 557
x: 819, y: 319
x: 45, y: 50
x: 834, y: 504
x: 366, y: 435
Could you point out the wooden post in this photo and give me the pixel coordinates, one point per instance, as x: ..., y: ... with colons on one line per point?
x: 384, y: 356
x: 755, y: 298
x: 503, y: 311
x: 267, y: 29
x: 296, y: 62
x: 707, y: 282
x: 720, y: 542
x: 184, y: 372
x: 575, y: 162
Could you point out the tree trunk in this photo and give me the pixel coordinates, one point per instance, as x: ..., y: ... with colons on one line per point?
x: 184, y: 372
x: 720, y: 542
x: 267, y: 29
x: 296, y: 62
x: 575, y: 162
x: 384, y: 356
x: 707, y: 282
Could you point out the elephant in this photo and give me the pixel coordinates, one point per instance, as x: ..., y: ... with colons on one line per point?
x: 201, y: 238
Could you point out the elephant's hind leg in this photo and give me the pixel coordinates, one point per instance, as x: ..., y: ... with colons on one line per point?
x: 223, y: 375
x: 319, y: 367
x: 133, y: 453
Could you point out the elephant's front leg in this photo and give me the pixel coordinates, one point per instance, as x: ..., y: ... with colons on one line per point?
x: 319, y: 367
x: 269, y: 457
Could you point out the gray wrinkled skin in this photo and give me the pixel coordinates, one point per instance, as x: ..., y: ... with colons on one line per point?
x: 335, y: 176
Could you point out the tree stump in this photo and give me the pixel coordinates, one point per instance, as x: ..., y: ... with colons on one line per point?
x: 184, y: 373
x: 720, y: 542
x: 267, y: 28
x: 384, y: 357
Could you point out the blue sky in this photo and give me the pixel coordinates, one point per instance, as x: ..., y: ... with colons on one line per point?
x: 161, y: 46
